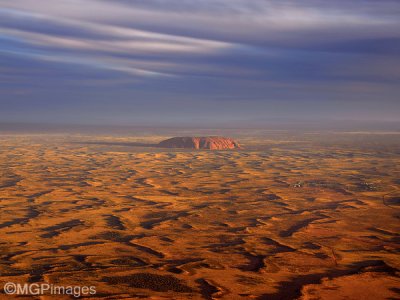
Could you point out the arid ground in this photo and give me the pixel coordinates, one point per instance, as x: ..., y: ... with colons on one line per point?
x: 298, y: 216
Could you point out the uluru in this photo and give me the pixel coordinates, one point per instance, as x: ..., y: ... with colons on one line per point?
x: 204, y: 142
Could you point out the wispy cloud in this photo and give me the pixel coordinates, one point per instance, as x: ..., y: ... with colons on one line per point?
x: 211, y: 49
x: 108, y: 40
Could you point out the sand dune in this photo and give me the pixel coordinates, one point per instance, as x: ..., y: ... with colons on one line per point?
x: 261, y: 223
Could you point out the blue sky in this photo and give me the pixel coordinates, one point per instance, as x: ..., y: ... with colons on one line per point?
x: 184, y: 61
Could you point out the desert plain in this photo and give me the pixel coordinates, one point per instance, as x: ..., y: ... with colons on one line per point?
x: 289, y: 216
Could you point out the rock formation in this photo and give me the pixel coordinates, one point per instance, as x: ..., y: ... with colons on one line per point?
x: 209, y: 142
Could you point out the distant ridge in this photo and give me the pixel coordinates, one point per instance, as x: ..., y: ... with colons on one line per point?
x: 207, y: 142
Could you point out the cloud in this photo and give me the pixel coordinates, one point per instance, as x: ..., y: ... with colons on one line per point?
x: 106, y: 40
x: 132, y: 45
x: 258, y: 50
x: 235, y: 18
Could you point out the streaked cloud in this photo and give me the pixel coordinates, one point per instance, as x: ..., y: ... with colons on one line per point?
x: 158, y: 50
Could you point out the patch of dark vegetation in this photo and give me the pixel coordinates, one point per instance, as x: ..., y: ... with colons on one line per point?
x: 127, y: 240
x: 208, y: 290
x: 395, y: 201
x: 226, y: 242
x: 73, y: 246
x: 364, y: 187
x: 39, y: 194
x: 256, y: 263
x: 280, y: 203
x: 114, y: 222
x: 61, y: 227
x: 321, y: 255
x: 248, y: 280
x: 293, y: 229
x: 154, y: 282
x: 180, y: 262
x: 278, y: 247
x: 169, y: 193
x: 10, y: 181
x: 272, y: 197
x: 129, y: 261
x: 175, y: 270
x: 13, y: 222
x: 114, y: 236
x: 151, y: 223
x: 320, y: 183
x: 36, y: 274
x: 290, y: 290
x: 312, y: 246
x: 143, y: 181
x: 82, y: 261
x: 31, y: 213
x: 166, y: 239
x: 147, y: 250
x: 385, y: 232
x: 396, y: 290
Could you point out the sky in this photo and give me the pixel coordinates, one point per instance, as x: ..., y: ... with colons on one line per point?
x: 199, y: 62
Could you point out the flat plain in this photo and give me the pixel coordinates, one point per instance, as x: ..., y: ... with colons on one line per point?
x: 292, y: 217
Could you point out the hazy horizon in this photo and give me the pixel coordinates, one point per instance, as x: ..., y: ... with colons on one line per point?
x: 272, y: 125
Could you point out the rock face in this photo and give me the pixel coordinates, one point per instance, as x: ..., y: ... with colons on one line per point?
x: 208, y: 142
